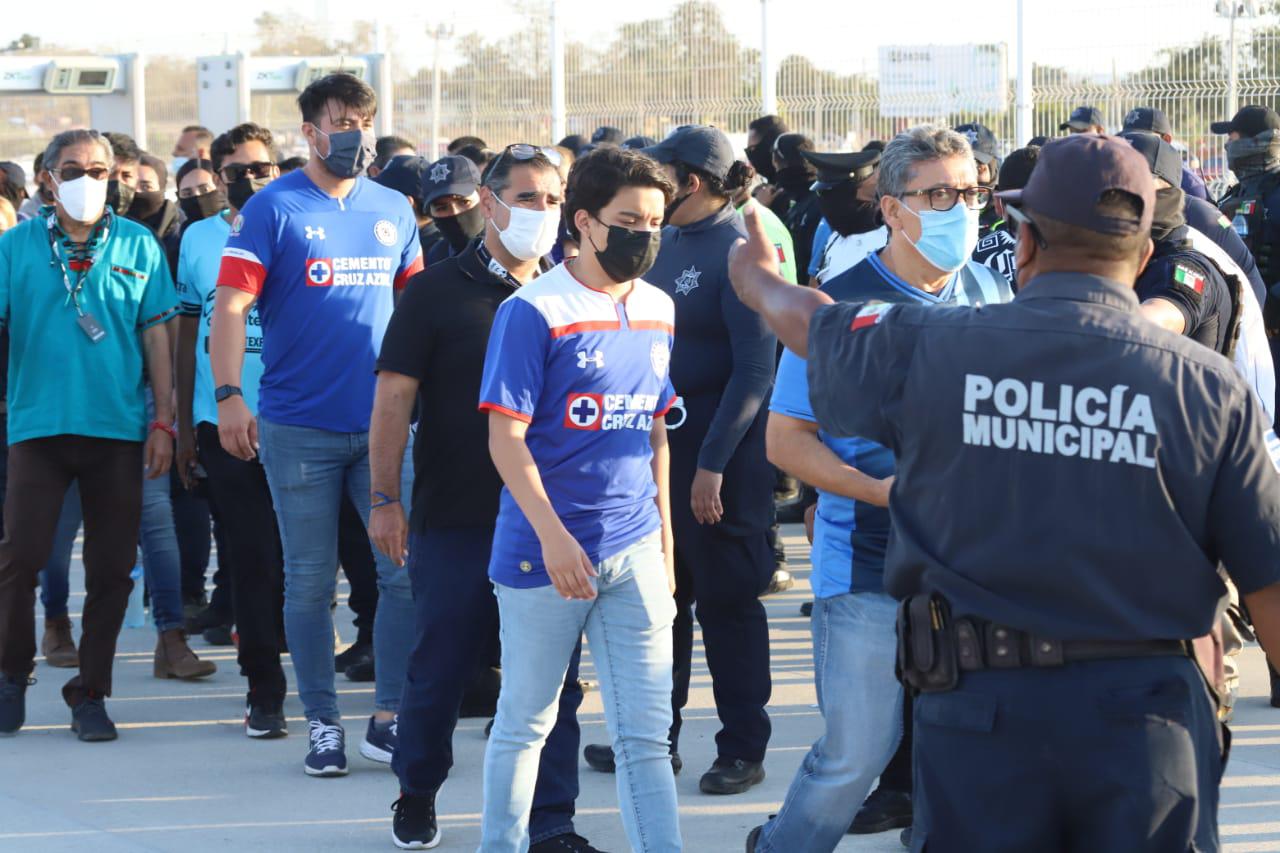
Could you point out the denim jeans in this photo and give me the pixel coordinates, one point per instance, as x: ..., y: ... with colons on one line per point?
x: 161, y: 564
x: 628, y: 626
x: 854, y: 647
x: 309, y: 470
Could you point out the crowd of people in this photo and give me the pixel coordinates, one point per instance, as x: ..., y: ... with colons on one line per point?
x: 561, y: 386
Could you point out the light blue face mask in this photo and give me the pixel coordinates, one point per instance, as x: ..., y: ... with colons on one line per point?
x: 947, y: 237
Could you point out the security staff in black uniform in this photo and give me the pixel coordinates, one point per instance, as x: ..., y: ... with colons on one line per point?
x: 996, y: 249
x: 986, y: 153
x: 721, y: 479
x: 1057, y: 706
x: 797, y: 205
x: 1181, y: 289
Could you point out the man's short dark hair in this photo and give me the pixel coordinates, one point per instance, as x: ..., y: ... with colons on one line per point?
x: 291, y: 164
x: 387, y: 146
x: 596, y: 178
x: 124, y: 147
x: 456, y: 146
x: 347, y: 89
x: 1065, y: 240
x: 769, y: 127
x: 203, y: 134
x: 225, y: 145
x: 481, y: 156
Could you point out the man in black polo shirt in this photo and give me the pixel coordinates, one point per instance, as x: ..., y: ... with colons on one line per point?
x: 434, y: 353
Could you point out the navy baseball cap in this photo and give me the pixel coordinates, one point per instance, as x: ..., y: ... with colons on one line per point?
x: 835, y: 169
x: 982, y: 141
x: 699, y: 146
x: 1073, y: 172
x: 1082, y: 118
x: 606, y: 135
x: 1249, y: 121
x: 451, y: 175
x: 639, y: 143
x: 1162, y: 157
x: 1016, y: 169
x: 1150, y: 119
x: 404, y: 174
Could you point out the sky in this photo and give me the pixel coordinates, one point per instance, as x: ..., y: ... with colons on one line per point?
x: 1094, y: 36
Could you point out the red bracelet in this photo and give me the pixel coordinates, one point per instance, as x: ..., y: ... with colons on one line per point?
x: 164, y: 427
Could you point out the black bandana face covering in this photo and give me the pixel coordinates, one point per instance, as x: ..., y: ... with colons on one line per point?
x: 462, y: 229
x: 845, y: 212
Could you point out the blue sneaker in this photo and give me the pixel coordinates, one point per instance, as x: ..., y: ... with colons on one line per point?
x: 381, y: 740
x: 328, y: 755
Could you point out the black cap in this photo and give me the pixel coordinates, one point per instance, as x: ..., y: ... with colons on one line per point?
x: 837, y: 168
x: 1038, y: 141
x: 699, y: 146
x: 606, y: 135
x: 1082, y: 118
x: 404, y: 173
x: 637, y: 143
x: 1150, y: 119
x: 1016, y: 169
x: 13, y: 174
x: 451, y: 175
x: 1074, y: 172
x: 983, y: 142
x: 1162, y: 158
x: 1249, y: 121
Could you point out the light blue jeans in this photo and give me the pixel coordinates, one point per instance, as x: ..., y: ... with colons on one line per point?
x: 308, y: 471
x: 854, y: 647
x: 628, y: 627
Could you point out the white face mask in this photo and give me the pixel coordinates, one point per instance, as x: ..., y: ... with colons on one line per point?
x: 83, y: 199
x: 530, y: 234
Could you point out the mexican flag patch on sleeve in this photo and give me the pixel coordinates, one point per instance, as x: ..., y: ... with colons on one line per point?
x: 1188, y: 277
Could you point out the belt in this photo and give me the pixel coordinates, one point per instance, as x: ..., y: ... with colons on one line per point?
x: 986, y: 645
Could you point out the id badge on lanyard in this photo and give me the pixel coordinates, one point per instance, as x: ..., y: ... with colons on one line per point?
x: 86, y: 321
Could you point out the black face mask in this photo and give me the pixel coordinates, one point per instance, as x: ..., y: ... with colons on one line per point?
x: 239, y: 192
x: 672, y: 208
x: 119, y: 197
x: 1169, y: 215
x: 199, y: 207
x: 760, y: 156
x: 145, y: 204
x: 462, y: 229
x: 796, y: 179
x: 845, y: 212
x: 628, y: 254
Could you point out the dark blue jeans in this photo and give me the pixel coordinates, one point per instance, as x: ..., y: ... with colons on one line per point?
x: 457, y: 621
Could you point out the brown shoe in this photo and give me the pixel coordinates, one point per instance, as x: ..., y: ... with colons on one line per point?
x: 174, y: 658
x: 57, y: 645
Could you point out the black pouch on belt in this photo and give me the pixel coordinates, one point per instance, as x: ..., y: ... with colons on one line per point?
x: 927, y: 658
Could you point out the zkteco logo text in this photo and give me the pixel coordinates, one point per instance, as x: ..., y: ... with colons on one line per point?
x: 349, y: 272
x: 594, y: 412
x: 1087, y: 423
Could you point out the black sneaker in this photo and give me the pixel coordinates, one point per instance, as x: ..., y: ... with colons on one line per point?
x: 1275, y: 686
x: 806, y: 609
x: 328, y: 754
x: 356, y: 653
x: 731, y: 776
x: 414, y: 826
x: 218, y: 635
x: 881, y: 811
x: 905, y: 838
x: 599, y: 757
x: 208, y: 617
x: 13, y: 703
x: 90, y: 722
x: 362, y: 670
x: 264, y: 721
x: 569, y: 842
x: 752, y: 837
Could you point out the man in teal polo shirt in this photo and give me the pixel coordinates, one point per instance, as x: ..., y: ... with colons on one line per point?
x: 85, y: 295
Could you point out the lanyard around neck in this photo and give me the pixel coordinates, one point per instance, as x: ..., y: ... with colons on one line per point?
x: 63, y: 265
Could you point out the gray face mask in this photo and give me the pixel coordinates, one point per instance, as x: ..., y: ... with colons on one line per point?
x: 1254, y: 155
x: 351, y: 152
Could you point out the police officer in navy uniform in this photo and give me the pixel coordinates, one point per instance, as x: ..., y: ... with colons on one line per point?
x: 996, y: 249
x: 1182, y: 289
x: 1058, y: 708
x: 1154, y: 120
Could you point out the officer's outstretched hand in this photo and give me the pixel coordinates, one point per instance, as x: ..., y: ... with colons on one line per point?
x: 753, y: 263
x: 568, y: 566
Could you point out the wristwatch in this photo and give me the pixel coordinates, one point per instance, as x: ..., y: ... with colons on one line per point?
x: 223, y: 392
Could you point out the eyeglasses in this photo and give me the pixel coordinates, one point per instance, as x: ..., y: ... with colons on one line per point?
x: 71, y: 173
x: 945, y: 198
x: 233, y: 172
x: 196, y: 191
x: 1022, y: 219
x: 523, y: 151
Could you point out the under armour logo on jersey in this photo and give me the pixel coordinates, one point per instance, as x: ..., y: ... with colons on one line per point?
x: 584, y: 359
x: 314, y: 233
x: 688, y: 281
x: 439, y: 173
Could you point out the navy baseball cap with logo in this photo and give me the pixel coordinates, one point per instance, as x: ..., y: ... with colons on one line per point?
x: 404, y: 173
x: 1072, y: 174
x: 451, y: 175
x: 983, y: 142
x: 835, y: 169
x: 1163, y: 158
x: 1148, y: 119
x: 1249, y: 121
x: 702, y: 147
x: 1082, y: 118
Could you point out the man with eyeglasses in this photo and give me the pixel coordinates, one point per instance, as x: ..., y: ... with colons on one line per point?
x: 84, y: 295
x: 931, y: 201
x: 325, y: 250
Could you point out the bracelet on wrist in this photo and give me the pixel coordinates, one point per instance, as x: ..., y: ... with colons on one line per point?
x: 381, y: 500
x: 163, y: 427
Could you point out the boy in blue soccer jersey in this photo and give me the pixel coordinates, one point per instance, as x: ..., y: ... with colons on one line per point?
x: 577, y: 387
